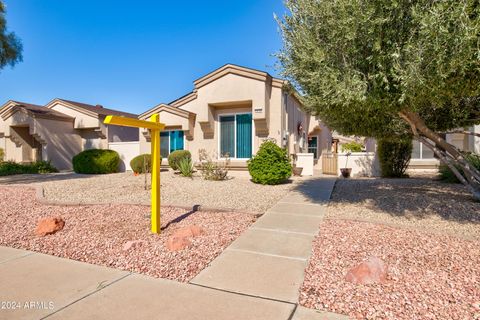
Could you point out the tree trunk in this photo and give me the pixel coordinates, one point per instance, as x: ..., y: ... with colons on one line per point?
x: 446, y: 152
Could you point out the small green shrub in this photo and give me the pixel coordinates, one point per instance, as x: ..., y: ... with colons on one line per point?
x: 352, y: 147
x: 10, y: 168
x: 142, y: 163
x: 96, y: 161
x: 447, y: 175
x: 175, y: 157
x: 211, y: 170
x: 185, y: 166
x: 394, y: 154
x: 2, y: 154
x: 270, y: 165
x: 42, y: 167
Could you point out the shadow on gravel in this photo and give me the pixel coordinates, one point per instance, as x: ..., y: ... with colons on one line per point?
x: 37, y: 178
x: 416, y: 198
x: 180, y: 218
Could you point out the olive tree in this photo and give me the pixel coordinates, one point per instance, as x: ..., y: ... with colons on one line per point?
x: 382, y: 68
x: 10, y: 45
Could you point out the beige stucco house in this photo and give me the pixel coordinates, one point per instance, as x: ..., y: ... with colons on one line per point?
x: 57, y: 131
x: 230, y: 111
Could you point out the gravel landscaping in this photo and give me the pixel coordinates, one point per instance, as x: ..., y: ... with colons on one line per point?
x: 97, y: 233
x: 422, y: 204
x: 237, y: 193
x: 430, y: 276
x: 425, y: 231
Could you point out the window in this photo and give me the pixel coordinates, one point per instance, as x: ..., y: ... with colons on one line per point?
x: 170, y: 141
x: 420, y: 151
x: 313, y: 146
x: 236, y: 136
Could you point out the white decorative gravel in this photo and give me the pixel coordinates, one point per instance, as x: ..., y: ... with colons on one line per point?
x: 237, y: 193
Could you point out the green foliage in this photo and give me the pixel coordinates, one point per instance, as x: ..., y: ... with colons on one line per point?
x: 2, y: 154
x: 96, y: 161
x: 447, y: 175
x: 142, y: 163
x: 185, y: 166
x: 359, y: 63
x: 10, y: 168
x: 211, y: 170
x: 10, y: 44
x: 175, y: 157
x: 270, y: 165
x: 394, y: 154
x: 352, y: 147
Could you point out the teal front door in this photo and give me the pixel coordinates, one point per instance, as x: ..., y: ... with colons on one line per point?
x: 244, y: 136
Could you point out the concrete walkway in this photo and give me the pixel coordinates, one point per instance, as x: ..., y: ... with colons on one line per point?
x: 269, y: 259
x: 257, y: 277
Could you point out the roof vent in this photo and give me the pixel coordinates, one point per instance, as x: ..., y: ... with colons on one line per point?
x: 99, y: 106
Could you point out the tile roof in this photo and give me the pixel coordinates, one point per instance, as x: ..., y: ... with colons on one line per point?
x: 41, y: 111
x: 100, y: 110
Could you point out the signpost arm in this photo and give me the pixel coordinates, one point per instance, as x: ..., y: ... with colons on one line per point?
x: 155, y: 142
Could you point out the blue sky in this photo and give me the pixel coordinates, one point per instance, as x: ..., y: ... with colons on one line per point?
x: 132, y: 55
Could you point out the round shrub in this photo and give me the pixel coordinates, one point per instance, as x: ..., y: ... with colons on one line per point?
x: 176, y: 156
x: 96, y: 161
x: 270, y: 165
x: 394, y: 154
x: 142, y: 163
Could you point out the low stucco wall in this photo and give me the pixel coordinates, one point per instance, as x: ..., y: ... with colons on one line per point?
x: 127, y: 151
x: 363, y: 164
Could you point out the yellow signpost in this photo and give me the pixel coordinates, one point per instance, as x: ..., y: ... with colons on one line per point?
x: 155, y: 127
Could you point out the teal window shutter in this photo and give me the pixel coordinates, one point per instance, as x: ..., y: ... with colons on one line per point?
x: 244, y: 135
x: 176, y: 140
x: 227, y: 136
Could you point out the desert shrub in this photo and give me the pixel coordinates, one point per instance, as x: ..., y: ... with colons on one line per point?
x: 211, y: 170
x: 142, y: 163
x: 10, y: 168
x: 185, y: 166
x: 394, y: 154
x: 270, y: 165
x: 175, y: 157
x: 352, y: 147
x: 96, y: 161
x: 42, y: 167
x: 447, y: 175
x: 2, y: 154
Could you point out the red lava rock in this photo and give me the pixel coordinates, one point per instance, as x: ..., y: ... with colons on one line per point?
x: 132, y: 243
x: 189, y: 232
x: 49, y: 226
x: 175, y: 243
x: 371, y: 271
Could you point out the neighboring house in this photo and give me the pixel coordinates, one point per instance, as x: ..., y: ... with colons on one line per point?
x: 230, y: 112
x: 58, y: 131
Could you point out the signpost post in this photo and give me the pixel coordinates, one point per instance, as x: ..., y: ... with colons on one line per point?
x: 155, y: 127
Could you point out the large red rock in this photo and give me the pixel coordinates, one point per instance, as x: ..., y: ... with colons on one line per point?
x: 371, y: 271
x: 180, y: 239
x: 49, y: 226
x: 177, y: 243
x: 189, y: 232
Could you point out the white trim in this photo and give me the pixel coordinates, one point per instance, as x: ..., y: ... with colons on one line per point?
x: 219, y: 157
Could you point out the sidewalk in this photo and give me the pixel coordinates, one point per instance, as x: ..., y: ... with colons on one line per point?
x: 257, y: 277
